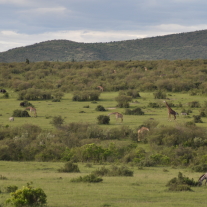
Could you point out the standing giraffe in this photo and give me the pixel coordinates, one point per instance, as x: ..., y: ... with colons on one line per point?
x: 170, y: 111
x: 118, y: 115
x: 140, y: 131
x: 32, y: 110
x: 101, y: 88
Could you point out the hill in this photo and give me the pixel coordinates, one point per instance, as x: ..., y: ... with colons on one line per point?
x: 191, y: 45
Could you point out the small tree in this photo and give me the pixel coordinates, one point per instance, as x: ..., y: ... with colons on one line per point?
x: 103, y: 119
x: 100, y: 108
x: 159, y: 95
x: 20, y: 113
x: 123, y: 101
x: 69, y: 167
x: 57, y: 121
x: 28, y: 196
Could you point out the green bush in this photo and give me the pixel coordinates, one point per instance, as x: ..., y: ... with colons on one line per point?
x: 20, y: 113
x: 181, y: 183
x: 91, y: 178
x: 123, y: 101
x: 28, y: 196
x: 57, y: 121
x: 69, y: 167
x: 102, y: 119
x: 136, y: 111
x: 11, y: 188
x: 159, y: 95
x: 200, y: 167
x: 100, y: 108
x: 197, y: 119
x: 114, y: 171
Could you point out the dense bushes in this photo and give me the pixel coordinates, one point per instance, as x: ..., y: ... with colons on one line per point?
x: 86, y: 96
x: 20, y: 113
x: 136, y: 111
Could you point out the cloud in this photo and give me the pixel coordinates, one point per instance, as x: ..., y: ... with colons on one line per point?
x: 12, y: 39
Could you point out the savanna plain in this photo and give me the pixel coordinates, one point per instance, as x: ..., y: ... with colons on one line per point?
x: 33, y: 149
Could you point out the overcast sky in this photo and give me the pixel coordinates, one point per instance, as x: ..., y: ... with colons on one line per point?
x: 25, y: 22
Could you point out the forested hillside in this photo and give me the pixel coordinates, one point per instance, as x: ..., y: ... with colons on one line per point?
x: 191, y: 45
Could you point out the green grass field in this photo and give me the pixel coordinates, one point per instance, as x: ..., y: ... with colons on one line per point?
x: 70, y: 110
x: 146, y: 188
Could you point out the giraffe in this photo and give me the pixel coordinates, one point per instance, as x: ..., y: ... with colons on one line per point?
x: 118, y: 115
x: 101, y: 88
x: 32, y: 110
x: 141, y: 131
x: 170, y: 111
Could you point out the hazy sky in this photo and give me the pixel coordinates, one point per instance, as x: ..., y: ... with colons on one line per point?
x: 25, y: 22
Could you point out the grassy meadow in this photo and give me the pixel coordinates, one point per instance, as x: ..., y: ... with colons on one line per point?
x: 146, y: 188
x: 71, y: 110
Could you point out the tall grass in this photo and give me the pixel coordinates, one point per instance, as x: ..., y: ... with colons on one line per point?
x: 146, y: 188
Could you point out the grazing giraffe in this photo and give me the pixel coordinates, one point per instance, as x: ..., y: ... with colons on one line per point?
x: 101, y: 88
x: 140, y: 131
x: 118, y: 116
x: 170, y: 111
x: 202, y: 178
x: 32, y: 110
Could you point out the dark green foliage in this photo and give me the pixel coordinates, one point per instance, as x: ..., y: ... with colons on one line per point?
x: 34, y: 94
x: 159, y: 95
x: 91, y: 178
x: 100, y: 108
x: 200, y: 167
x: 197, y: 119
x: 123, y: 101
x: 132, y: 93
x: 194, y: 104
x: 28, y: 196
x: 153, y: 105
x: 57, y: 121
x: 181, y: 183
x: 20, y: 113
x: 11, y: 188
x: 114, y: 171
x: 69, y: 167
x: 136, y: 111
x: 102, y: 119
x: 86, y: 96
x: 6, y: 95
x: 26, y: 104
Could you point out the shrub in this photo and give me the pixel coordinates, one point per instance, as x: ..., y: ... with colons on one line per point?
x: 123, y: 101
x: 114, y: 171
x: 159, y: 95
x: 153, y: 105
x: 28, y: 196
x: 197, y: 119
x: 181, y: 183
x: 103, y: 119
x: 57, y: 121
x: 100, y: 108
x: 200, y: 167
x: 194, y: 104
x: 91, y: 178
x: 136, y: 111
x: 11, y: 188
x: 69, y: 167
x: 20, y: 113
